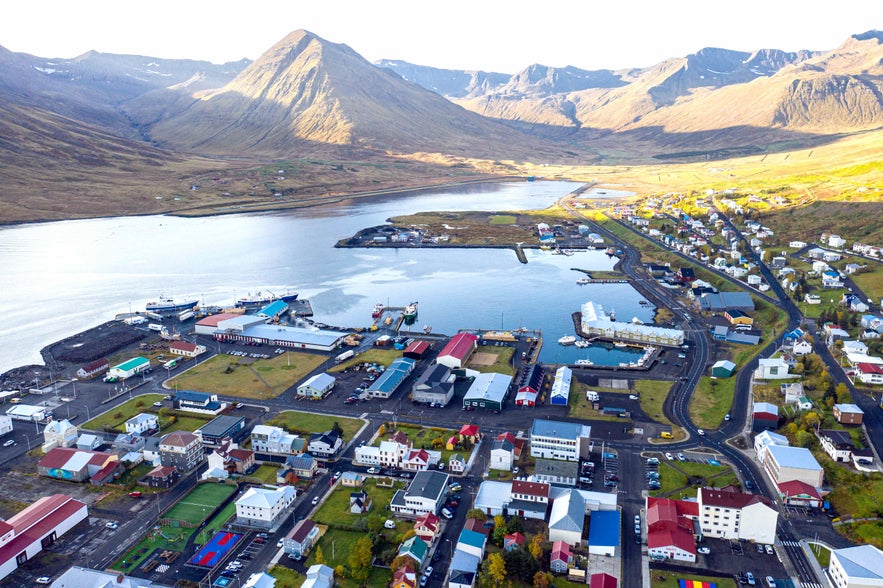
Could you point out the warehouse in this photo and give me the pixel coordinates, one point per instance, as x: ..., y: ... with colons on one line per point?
x: 317, y: 387
x: 75, y: 465
x: 456, y: 353
x: 596, y: 323
x: 130, y: 368
x: 220, y: 428
x: 249, y: 329
x: 274, y: 310
x: 723, y: 369
x: 90, y: 370
x: 560, y: 391
x: 434, y: 386
x: 26, y: 412
x: 417, y: 350
x: 488, y: 390
x: 209, y: 324
x: 390, y: 380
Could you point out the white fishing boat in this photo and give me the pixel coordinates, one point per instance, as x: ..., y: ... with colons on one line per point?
x: 567, y: 340
x: 584, y: 362
x: 582, y: 281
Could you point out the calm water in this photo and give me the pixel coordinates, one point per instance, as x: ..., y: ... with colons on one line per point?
x: 61, y: 278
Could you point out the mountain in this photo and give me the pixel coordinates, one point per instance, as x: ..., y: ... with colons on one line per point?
x: 305, y: 90
x: 449, y: 83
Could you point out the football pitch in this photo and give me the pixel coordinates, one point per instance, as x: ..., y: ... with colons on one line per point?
x: 197, y: 505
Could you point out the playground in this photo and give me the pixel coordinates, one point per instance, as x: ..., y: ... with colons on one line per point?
x: 215, y: 550
x: 199, y: 504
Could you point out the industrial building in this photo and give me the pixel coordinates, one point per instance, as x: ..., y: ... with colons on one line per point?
x: 27, y: 412
x: 596, y: 323
x: 130, y: 368
x: 559, y: 393
x: 458, y: 350
x: 252, y: 329
x: 92, y: 369
x: 76, y: 465
x: 390, y: 380
x: 792, y: 463
x: 274, y: 310
x: 209, y: 324
x: 488, y: 390
x: 434, y: 386
x: 317, y: 387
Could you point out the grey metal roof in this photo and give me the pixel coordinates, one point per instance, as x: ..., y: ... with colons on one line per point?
x: 220, y: 425
x: 568, y: 512
x: 559, y: 429
x: 553, y: 467
x: 428, y: 484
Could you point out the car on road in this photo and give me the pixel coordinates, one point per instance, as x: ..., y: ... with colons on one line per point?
x: 157, y: 403
x: 423, y: 581
x: 700, y: 432
x: 315, y: 501
x: 428, y: 572
x: 727, y: 417
x: 135, y: 494
x: 652, y: 461
x: 111, y: 525
x: 336, y: 476
x: 9, y: 443
x: 669, y: 456
x: 515, y: 471
x: 373, y: 470
x: 280, y: 543
x: 43, y: 580
x: 637, y: 519
x: 638, y: 529
x: 704, y: 550
x: 749, y: 485
x: 455, y: 487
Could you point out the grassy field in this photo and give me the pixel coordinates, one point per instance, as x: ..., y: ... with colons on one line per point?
x: 266, y: 473
x: 378, y: 355
x: 652, y: 395
x: 115, y: 419
x: 306, y: 423
x: 664, y: 579
x: 503, y: 363
x: 249, y: 378
x: 200, y: 501
x: 336, y: 546
x: 670, y: 480
x: 821, y: 553
x: 502, y: 219
x: 285, y: 577
x: 422, y: 437
x: 335, y: 508
x: 711, y: 400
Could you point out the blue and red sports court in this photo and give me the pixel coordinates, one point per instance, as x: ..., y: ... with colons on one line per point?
x: 215, y: 550
x: 695, y: 584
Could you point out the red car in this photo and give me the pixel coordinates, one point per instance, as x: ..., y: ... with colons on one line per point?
x: 135, y: 494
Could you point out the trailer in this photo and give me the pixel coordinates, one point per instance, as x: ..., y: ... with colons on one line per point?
x: 185, y: 315
x: 345, y: 356
x: 153, y: 315
x: 155, y: 327
x: 171, y: 364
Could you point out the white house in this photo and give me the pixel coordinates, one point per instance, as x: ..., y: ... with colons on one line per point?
x: 319, y: 576
x: 559, y: 440
x: 567, y: 518
x: 5, y: 424
x: 736, y: 515
x: 424, y: 494
x: 141, y: 423
x: 264, y: 508
x: 793, y: 392
x: 57, y: 434
x: 856, y: 347
x: 502, y: 455
x: 792, y: 463
x: 319, y: 386
x: 773, y: 368
x: 801, y: 347
x: 856, y: 567
x: 266, y: 439
x: 325, y: 444
x: 767, y: 438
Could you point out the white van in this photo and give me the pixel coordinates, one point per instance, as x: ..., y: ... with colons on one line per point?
x: 592, y: 396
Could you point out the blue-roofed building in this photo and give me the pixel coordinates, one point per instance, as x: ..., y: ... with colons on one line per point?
x: 464, y: 570
x: 390, y: 380
x: 559, y: 440
x: 274, y: 310
x: 201, y: 402
x: 856, y: 566
x: 784, y: 463
x: 302, y: 466
x: 472, y: 542
x: 604, y: 529
x: 317, y: 387
x: 560, y: 390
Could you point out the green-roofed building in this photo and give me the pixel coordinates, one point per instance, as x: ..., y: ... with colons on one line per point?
x: 130, y: 368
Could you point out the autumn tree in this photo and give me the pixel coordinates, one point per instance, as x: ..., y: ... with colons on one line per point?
x: 476, y: 513
x: 359, y: 560
x: 541, y: 580
x: 320, y: 555
x: 496, y: 568
x: 536, y: 546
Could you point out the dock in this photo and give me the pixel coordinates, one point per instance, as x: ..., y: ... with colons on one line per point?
x: 300, y: 308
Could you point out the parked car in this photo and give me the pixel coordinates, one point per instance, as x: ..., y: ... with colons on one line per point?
x: 447, y: 514
x: 373, y: 470
x: 135, y: 494
x: 704, y: 550
x: 455, y: 487
x: 750, y: 578
x: 759, y: 548
x: 769, y: 549
x: 669, y: 456
x: 770, y: 582
x: 336, y: 476
x: 727, y: 417
x: 681, y: 457
x: 43, y: 580
x: 652, y: 461
x: 389, y: 524
x: 315, y: 501
x: 9, y: 443
x: 111, y: 525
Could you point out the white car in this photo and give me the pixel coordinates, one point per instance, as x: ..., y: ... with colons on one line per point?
x: 681, y: 457
x: 111, y: 525
x: 389, y: 524
x: 336, y: 476
x: 727, y: 417
x: 704, y: 550
x: 669, y: 457
x: 9, y: 443
x: 280, y: 543
x: 315, y: 501
x: 700, y: 432
x: 43, y: 580
x: 373, y: 470
x: 447, y: 514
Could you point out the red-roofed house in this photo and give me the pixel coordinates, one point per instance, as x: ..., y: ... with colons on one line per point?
x: 456, y: 353
x: 869, y: 373
x: 602, y: 581
x: 426, y: 527
x: 416, y: 350
x: 186, y: 349
x: 798, y: 493
x: 561, y: 557
x: 513, y: 541
x: 736, y: 515
x: 471, y: 433
x: 670, y: 528
x: 529, y: 499
x: 477, y: 526
x: 404, y: 577
x: 161, y: 477
x: 92, y: 369
x: 25, y: 534
x: 517, y: 443
x: 416, y: 460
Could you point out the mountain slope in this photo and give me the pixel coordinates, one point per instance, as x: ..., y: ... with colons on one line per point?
x: 305, y: 89
x: 449, y: 83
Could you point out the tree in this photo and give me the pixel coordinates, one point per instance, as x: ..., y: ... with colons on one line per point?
x: 496, y: 567
x: 540, y: 580
x: 339, y: 571
x: 337, y: 428
x: 476, y: 513
x: 520, y: 564
x: 536, y: 546
x: 402, y: 561
x: 842, y: 393
x: 359, y: 560
x: 320, y: 556
x: 375, y: 524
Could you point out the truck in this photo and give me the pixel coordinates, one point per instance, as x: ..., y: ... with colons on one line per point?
x: 171, y: 364
x: 154, y: 316
x: 155, y: 327
x: 135, y: 320
x: 592, y: 396
x: 345, y: 356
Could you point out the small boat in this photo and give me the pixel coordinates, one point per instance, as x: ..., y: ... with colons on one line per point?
x: 584, y: 281
x: 169, y: 303
x: 584, y: 362
x: 567, y: 340
x: 620, y: 344
x: 378, y: 310
x: 637, y: 321
x: 427, y: 329
x: 387, y: 321
x: 582, y: 344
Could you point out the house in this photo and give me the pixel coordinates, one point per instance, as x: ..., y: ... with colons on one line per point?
x: 220, y: 429
x: 767, y: 438
x: 559, y: 440
x: 142, y: 424
x: 561, y: 473
x: 456, y: 464
x: 424, y: 494
x: 869, y: 373
x: 531, y: 384
x: 404, y: 577
x: 352, y: 479
x: 419, y: 459
x: 488, y: 390
x: 92, y: 369
x: 301, y: 538
x: 230, y: 459
x: 463, y: 570
x: 267, y: 439
x: 186, y: 349
x: 128, y: 443
x: 772, y: 368
x: 738, y: 317
x: 559, y: 393
x: 427, y: 527
x: 319, y: 576
x: 764, y: 416
x: 264, y: 508
x: 415, y: 548
x: 458, y: 350
x: 198, y: 402
x: 567, y: 517
x: 161, y: 477
x: 848, y: 414
x: 260, y: 580
x: 303, y: 466
x: 502, y: 454
x: 561, y: 558
x: 434, y: 386
x: 602, y: 580
x: 326, y: 444
x: 856, y: 567
x: 734, y: 515
x: 317, y: 387
x: 670, y: 528
x: 182, y: 450
x: 801, y: 347
x: 528, y: 499
x: 604, y: 528
x: 513, y: 541
x: 792, y: 392
x: 801, y: 494
x: 471, y: 542
x: 685, y: 275
x: 792, y: 463
x: 723, y: 369
x: 89, y: 442
x: 59, y: 434
x: 360, y: 502
x: 470, y: 433
x: 811, y: 298
x: 36, y: 527
x: 837, y: 444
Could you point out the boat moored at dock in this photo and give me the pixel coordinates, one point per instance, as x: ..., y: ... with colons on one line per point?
x: 167, y: 303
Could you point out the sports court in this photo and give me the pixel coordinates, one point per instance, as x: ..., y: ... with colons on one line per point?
x: 215, y: 550
x: 200, y: 503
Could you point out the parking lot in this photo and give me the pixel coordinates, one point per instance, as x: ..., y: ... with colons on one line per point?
x: 740, y: 557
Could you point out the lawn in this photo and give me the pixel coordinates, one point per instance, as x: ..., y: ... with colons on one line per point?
x: 822, y: 554
x: 579, y: 407
x: 870, y: 282
x: 706, y: 471
x: 335, y: 508
x: 200, y: 501
x: 652, y: 394
x: 502, y: 219
x: 665, y: 579
x: 383, y: 356
x: 711, y: 401
x: 285, y: 577
x: 116, y: 417
x: 336, y: 546
x: 305, y: 423
x: 670, y: 480
x: 266, y: 473
x: 248, y: 378
x: 503, y: 363
x: 422, y: 438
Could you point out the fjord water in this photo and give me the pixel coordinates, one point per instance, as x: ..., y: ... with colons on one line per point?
x: 63, y: 277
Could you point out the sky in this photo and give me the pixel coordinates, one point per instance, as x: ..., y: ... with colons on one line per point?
x: 490, y: 35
